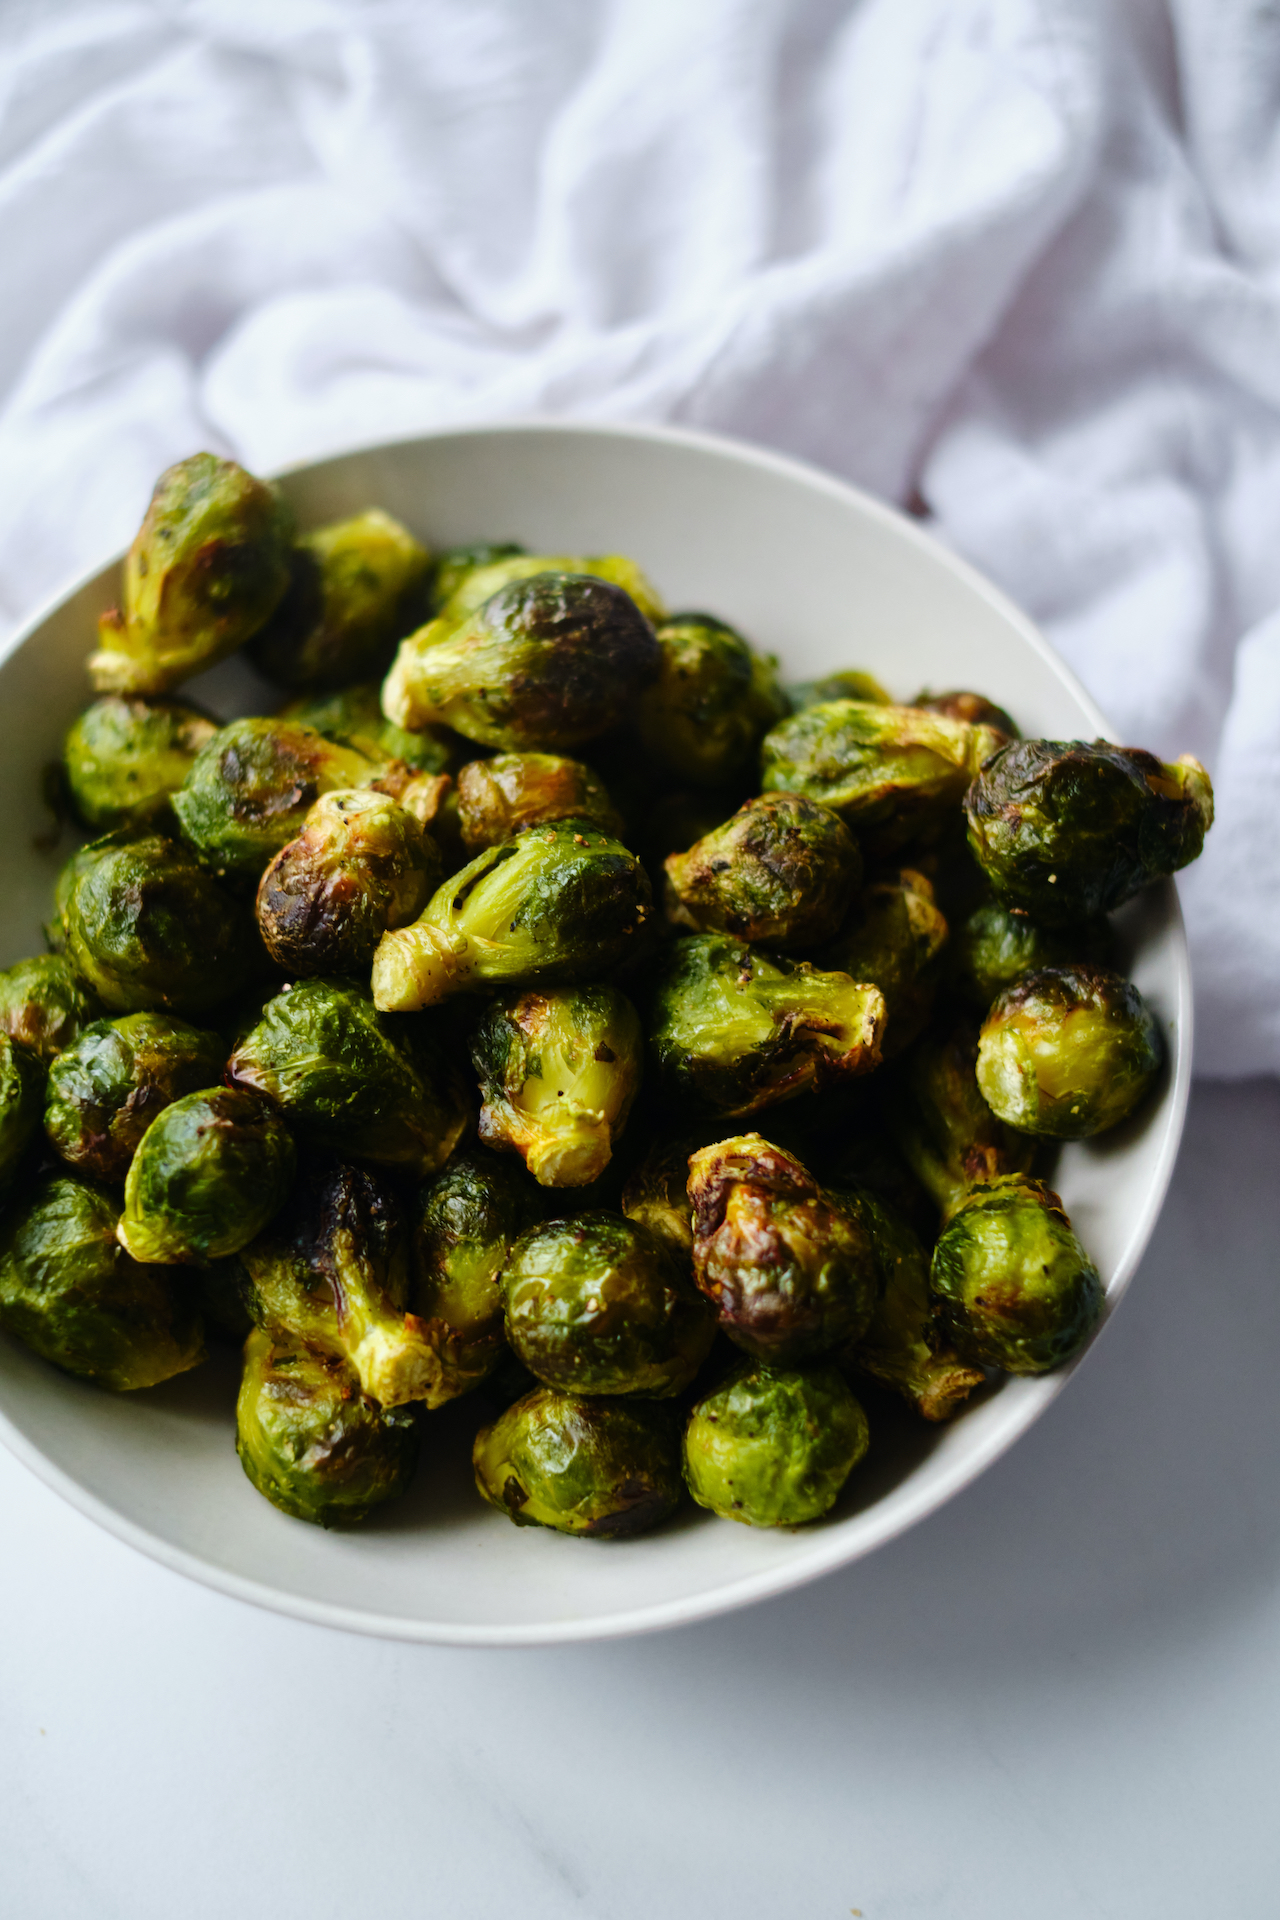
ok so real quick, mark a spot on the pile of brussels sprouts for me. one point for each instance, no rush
(419, 1035)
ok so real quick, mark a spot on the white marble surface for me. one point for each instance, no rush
(1057, 1699)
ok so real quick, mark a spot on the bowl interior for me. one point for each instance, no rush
(820, 575)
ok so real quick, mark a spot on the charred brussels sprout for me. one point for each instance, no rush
(71, 1292)
(994, 946)
(355, 588)
(354, 716)
(465, 1224)
(148, 928)
(892, 940)
(1066, 830)
(125, 759)
(891, 773)
(901, 1346)
(738, 1033)
(782, 871)
(789, 1267)
(452, 567)
(211, 1170)
(558, 1072)
(107, 1088)
(595, 1305)
(561, 901)
(704, 715)
(44, 1004)
(22, 1079)
(360, 865)
(545, 664)
(353, 1081)
(499, 798)
(476, 584)
(772, 1447)
(251, 788)
(308, 1439)
(973, 708)
(850, 684)
(208, 567)
(602, 1467)
(943, 1127)
(1068, 1052)
(1014, 1287)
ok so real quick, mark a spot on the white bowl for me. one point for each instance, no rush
(821, 575)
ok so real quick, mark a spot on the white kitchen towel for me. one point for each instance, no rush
(1018, 259)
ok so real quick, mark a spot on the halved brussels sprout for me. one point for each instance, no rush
(356, 587)
(849, 684)
(1068, 1051)
(543, 665)
(250, 789)
(789, 1267)
(465, 1224)
(892, 939)
(892, 773)
(994, 946)
(1066, 830)
(595, 1304)
(354, 1081)
(44, 1004)
(558, 1072)
(126, 758)
(586, 1466)
(944, 1128)
(149, 929)
(354, 715)
(22, 1078)
(209, 1173)
(477, 583)
(361, 864)
(109, 1085)
(71, 1293)
(209, 565)
(308, 1439)
(901, 1347)
(773, 1447)
(1013, 1285)
(712, 702)
(782, 872)
(499, 798)
(737, 1032)
(561, 901)
(973, 708)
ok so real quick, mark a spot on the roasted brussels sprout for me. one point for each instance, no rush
(773, 1447)
(360, 865)
(44, 1004)
(251, 788)
(782, 871)
(125, 759)
(737, 1032)
(789, 1267)
(451, 567)
(1014, 1287)
(973, 708)
(317, 1447)
(595, 1305)
(943, 1127)
(148, 928)
(209, 1173)
(354, 716)
(588, 1466)
(657, 1195)
(71, 1292)
(850, 684)
(209, 565)
(1069, 1051)
(464, 1226)
(1066, 830)
(477, 583)
(558, 1072)
(892, 939)
(22, 1078)
(705, 714)
(901, 1346)
(543, 665)
(561, 901)
(994, 946)
(891, 773)
(353, 1081)
(109, 1085)
(499, 798)
(355, 588)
